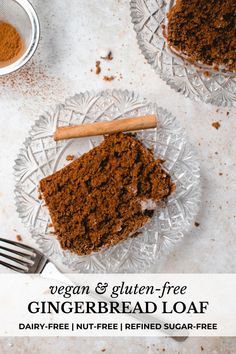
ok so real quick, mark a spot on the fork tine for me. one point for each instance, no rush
(22, 254)
(19, 261)
(17, 244)
(12, 267)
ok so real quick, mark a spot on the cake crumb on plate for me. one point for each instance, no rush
(18, 238)
(70, 157)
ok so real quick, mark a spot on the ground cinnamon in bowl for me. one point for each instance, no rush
(11, 44)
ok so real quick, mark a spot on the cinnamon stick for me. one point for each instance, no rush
(106, 127)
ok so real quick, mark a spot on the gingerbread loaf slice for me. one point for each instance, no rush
(204, 32)
(105, 195)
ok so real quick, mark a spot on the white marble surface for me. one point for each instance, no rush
(73, 35)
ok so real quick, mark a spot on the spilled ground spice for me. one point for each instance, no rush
(33, 80)
(11, 44)
(105, 195)
(204, 31)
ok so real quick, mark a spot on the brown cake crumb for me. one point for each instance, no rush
(206, 73)
(70, 157)
(18, 238)
(204, 31)
(109, 56)
(108, 78)
(98, 67)
(216, 125)
(105, 195)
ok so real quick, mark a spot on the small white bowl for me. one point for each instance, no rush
(23, 17)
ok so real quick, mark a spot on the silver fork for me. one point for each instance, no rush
(33, 261)
(28, 260)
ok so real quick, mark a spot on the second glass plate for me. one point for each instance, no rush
(148, 17)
